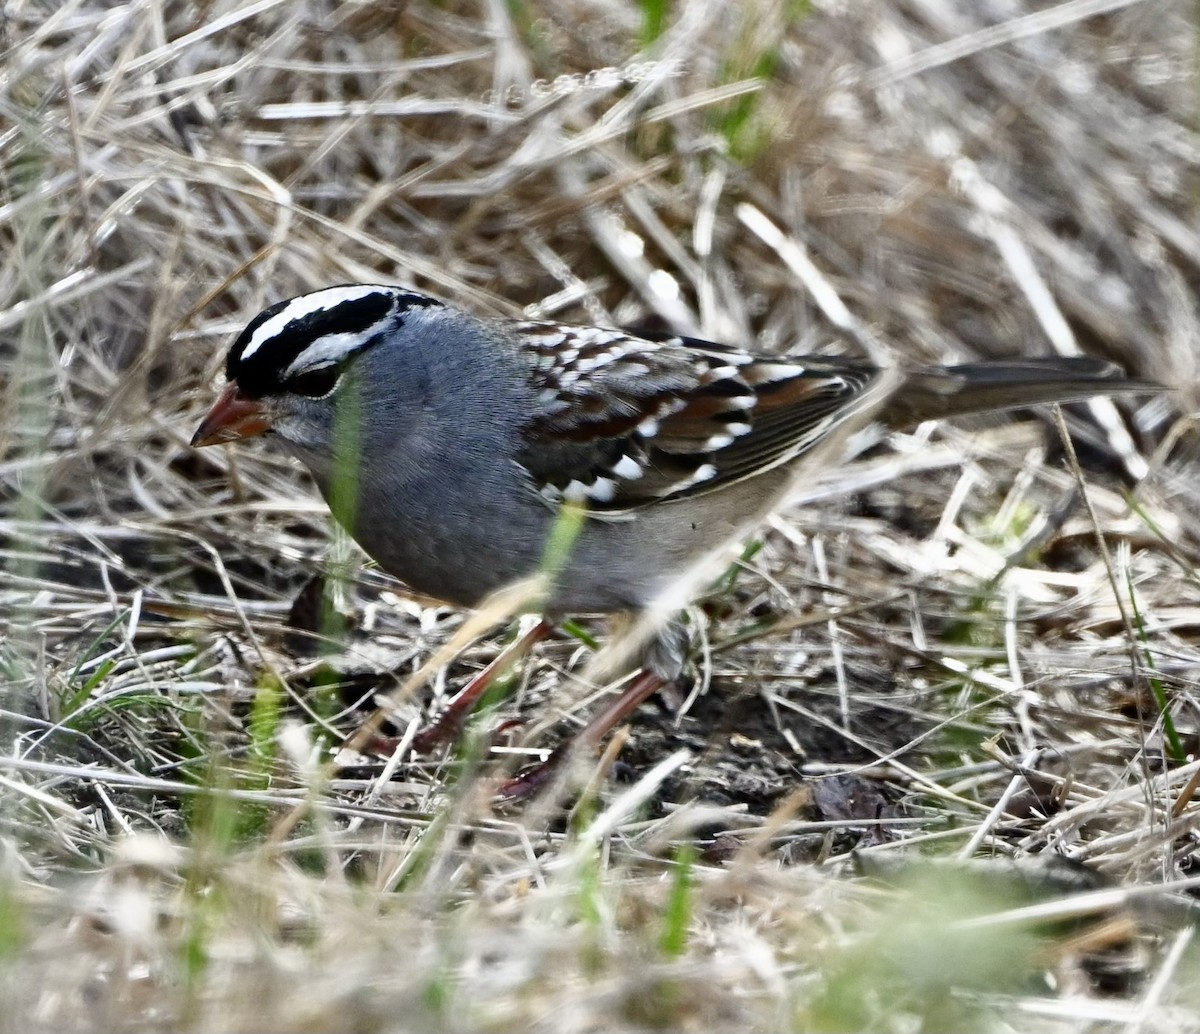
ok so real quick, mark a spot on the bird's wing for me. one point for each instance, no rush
(622, 420)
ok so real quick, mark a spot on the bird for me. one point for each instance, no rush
(450, 444)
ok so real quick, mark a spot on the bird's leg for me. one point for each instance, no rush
(450, 722)
(530, 780)
(662, 664)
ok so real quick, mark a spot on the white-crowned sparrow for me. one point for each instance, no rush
(446, 443)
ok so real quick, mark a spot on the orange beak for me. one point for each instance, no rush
(232, 417)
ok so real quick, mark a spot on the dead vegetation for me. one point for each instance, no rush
(931, 663)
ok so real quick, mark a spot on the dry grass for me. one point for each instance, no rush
(933, 662)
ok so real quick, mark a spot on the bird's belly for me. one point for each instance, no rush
(664, 555)
(462, 550)
(462, 566)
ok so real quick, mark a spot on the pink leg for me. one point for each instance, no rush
(530, 780)
(451, 721)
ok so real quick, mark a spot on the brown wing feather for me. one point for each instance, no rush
(626, 420)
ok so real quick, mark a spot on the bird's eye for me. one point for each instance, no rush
(314, 384)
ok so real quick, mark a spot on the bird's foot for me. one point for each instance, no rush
(448, 726)
(533, 779)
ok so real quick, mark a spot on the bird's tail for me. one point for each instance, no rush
(937, 392)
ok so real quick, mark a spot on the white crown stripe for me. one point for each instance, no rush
(306, 305)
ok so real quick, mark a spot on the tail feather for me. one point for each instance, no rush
(937, 392)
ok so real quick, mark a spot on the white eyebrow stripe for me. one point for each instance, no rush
(330, 349)
(306, 305)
